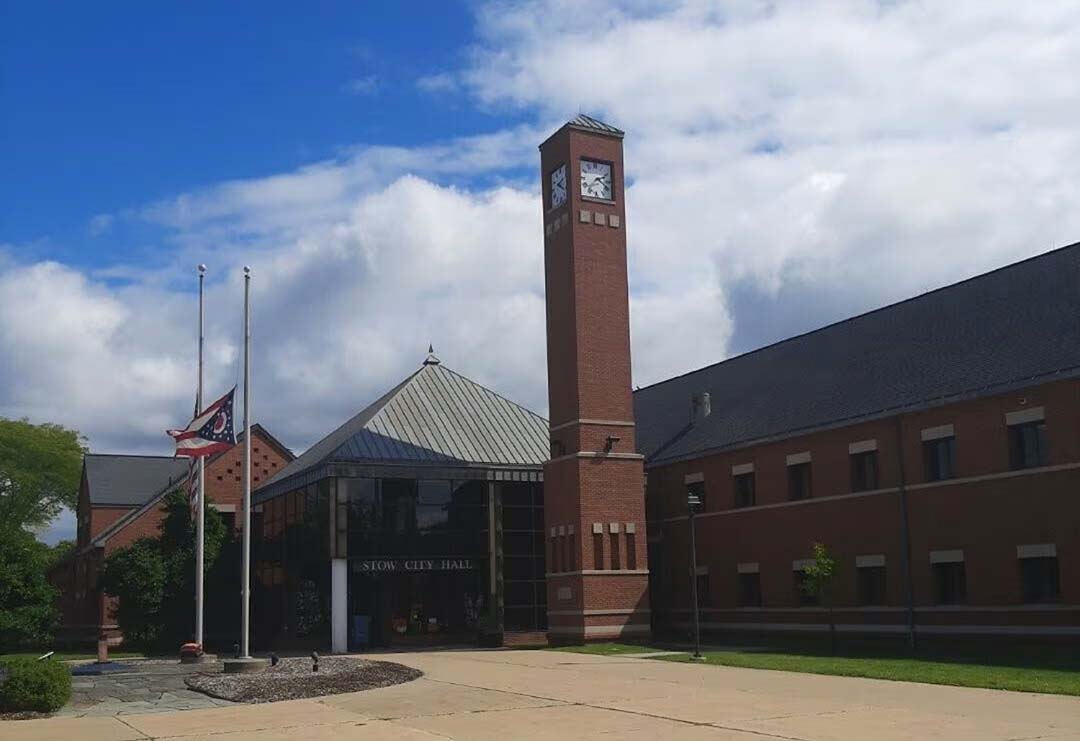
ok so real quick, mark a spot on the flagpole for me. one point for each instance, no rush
(246, 561)
(200, 534)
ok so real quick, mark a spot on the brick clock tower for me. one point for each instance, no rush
(594, 488)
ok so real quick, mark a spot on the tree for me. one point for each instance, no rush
(154, 578)
(40, 466)
(28, 615)
(61, 550)
(817, 583)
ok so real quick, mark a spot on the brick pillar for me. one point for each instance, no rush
(594, 490)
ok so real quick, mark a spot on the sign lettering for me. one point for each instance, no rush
(391, 565)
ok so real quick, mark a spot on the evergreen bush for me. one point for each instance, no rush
(43, 686)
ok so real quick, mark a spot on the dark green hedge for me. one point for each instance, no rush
(44, 686)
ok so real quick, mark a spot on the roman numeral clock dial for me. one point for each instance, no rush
(596, 180)
(558, 186)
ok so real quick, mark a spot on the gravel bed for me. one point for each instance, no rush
(292, 679)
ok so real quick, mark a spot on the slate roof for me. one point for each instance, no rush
(130, 480)
(1009, 328)
(433, 417)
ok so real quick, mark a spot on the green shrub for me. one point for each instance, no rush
(44, 686)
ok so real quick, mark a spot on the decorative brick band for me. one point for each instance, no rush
(592, 423)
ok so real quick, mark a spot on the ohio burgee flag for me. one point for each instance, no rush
(210, 432)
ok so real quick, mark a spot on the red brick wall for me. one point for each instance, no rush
(985, 517)
(595, 475)
(82, 607)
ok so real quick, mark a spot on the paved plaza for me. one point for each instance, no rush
(546, 694)
(149, 687)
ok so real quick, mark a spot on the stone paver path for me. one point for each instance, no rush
(152, 687)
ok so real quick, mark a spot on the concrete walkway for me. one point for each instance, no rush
(545, 694)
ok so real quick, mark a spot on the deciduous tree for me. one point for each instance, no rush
(40, 467)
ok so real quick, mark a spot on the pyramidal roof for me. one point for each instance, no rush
(588, 123)
(433, 417)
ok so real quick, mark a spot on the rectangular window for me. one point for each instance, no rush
(798, 481)
(871, 585)
(938, 457)
(1040, 579)
(698, 488)
(950, 583)
(750, 590)
(744, 490)
(1027, 445)
(864, 471)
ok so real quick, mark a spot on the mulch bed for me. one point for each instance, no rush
(292, 679)
(24, 715)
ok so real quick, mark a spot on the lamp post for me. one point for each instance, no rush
(693, 501)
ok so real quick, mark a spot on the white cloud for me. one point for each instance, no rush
(99, 224)
(789, 164)
(848, 153)
(365, 85)
(442, 82)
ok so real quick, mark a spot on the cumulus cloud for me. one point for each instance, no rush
(789, 164)
(839, 155)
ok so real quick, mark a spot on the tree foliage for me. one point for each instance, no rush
(154, 578)
(40, 466)
(818, 582)
(27, 612)
(820, 574)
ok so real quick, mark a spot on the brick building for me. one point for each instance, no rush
(933, 446)
(120, 501)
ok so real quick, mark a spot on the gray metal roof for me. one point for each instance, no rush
(433, 417)
(130, 480)
(588, 123)
(1009, 328)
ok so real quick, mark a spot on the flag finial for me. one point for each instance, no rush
(432, 358)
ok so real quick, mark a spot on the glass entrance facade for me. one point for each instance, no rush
(420, 554)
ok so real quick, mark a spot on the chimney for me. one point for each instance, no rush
(700, 406)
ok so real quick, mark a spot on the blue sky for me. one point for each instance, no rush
(109, 106)
(375, 164)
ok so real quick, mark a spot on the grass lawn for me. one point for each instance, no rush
(607, 649)
(1054, 670)
(71, 656)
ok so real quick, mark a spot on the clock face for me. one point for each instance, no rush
(558, 187)
(596, 180)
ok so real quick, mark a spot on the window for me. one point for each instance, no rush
(744, 489)
(798, 481)
(938, 456)
(801, 595)
(864, 471)
(432, 505)
(1040, 579)
(1027, 445)
(871, 585)
(750, 590)
(950, 583)
(698, 488)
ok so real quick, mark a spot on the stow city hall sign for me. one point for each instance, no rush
(391, 565)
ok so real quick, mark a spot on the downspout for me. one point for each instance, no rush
(905, 533)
